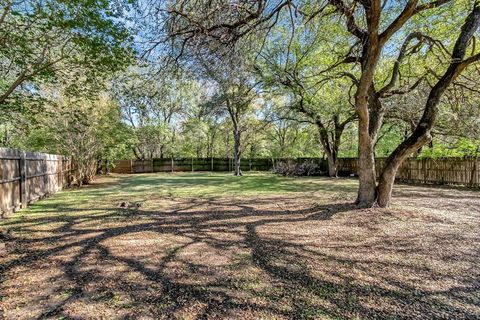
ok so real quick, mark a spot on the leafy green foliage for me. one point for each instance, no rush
(40, 40)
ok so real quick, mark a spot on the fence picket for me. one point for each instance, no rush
(28, 176)
(455, 171)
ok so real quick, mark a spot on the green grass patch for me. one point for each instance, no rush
(108, 191)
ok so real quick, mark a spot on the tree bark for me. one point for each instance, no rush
(332, 165)
(161, 155)
(366, 160)
(20, 79)
(366, 170)
(237, 152)
(367, 132)
(136, 153)
(328, 149)
(474, 168)
(331, 143)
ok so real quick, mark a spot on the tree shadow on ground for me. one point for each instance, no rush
(217, 258)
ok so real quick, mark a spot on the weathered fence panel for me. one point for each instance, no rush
(202, 164)
(455, 171)
(123, 166)
(189, 164)
(142, 166)
(28, 176)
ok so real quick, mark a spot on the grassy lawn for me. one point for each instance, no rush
(209, 246)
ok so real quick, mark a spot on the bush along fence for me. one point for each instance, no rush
(28, 176)
(451, 171)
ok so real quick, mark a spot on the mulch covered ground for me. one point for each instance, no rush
(290, 255)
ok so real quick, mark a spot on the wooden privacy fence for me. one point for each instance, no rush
(201, 164)
(182, 165)
(28, 176)
(455, 171)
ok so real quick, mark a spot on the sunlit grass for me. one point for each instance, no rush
(188, 185)
(106, 193)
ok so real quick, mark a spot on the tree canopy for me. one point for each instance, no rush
(105, 80)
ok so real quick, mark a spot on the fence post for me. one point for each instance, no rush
(424, 165)
(471, 184)
(64, 180)
(172, 165)
(60, 175)
(45, 177)
(65, 172)
(23, 179)
(211, 163)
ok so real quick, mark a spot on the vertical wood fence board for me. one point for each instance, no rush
(454, 171)
(28, 176)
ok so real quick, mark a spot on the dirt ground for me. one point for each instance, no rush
(270, 248)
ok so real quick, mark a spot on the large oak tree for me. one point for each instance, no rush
(373, 25)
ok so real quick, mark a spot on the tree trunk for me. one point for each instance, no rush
(419, 137)
(237, 152)
(366, 171)
(370, 121)
(332, 161)
(366, 128)
(330, 147)
(107, 167)
(209, 150)
(330, 153)
(366, 152)
(474, 168)
(393, 162)
(20, 79)
(136, 153)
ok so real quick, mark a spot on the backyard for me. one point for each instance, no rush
(212, 245)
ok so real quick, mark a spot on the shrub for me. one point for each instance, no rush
(292, 168)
